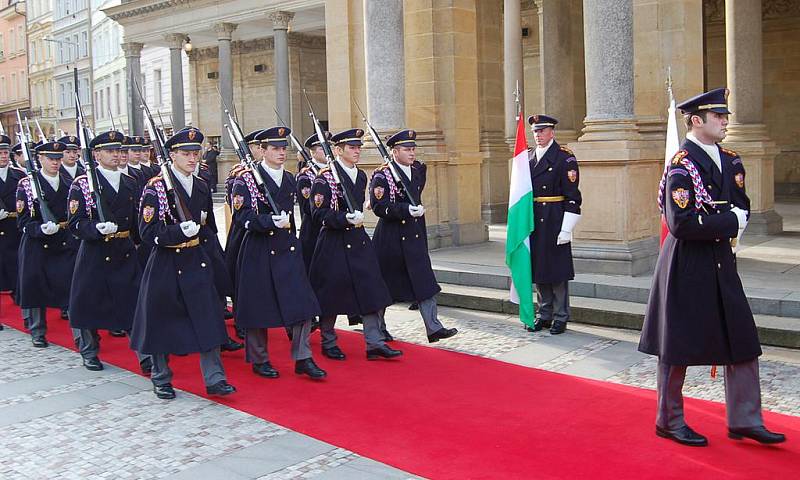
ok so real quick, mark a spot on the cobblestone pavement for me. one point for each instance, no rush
(59, 421)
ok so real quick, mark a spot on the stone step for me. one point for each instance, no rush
(763, 301)
(772, 330)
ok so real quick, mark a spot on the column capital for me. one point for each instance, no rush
(132, 49)
(175, 40)
(224, 30)
(280, 19)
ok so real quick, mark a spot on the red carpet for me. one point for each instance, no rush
(440, 414)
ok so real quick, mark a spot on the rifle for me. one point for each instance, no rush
(95, 187)
(326, 147)
(31, 167)
(176, 203)
(307, 160)
(376, 139)
(42, 136)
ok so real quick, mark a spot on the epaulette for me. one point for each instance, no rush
(567, 150)
(679, 156)
(383, 166)
(729, 152)
(154, 180)
(324, 170)
(14, 167)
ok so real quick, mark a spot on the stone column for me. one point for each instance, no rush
(224, 31)
(555, 66)
(133, 67)
(280, 27)
(383, 31)
(175, 41)
(747, 133)
(512, 65)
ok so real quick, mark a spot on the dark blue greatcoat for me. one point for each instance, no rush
(105, 282)
(45, 261)
(272, 288)
(235, 236)
(401, 240)
(210, 242)
(345, 272)
(9, 234)
(556, 174)
(698, 313)
(80, 171)
(178, 310)
(309, 229)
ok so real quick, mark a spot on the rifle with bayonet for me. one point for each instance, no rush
(32, 167)
(307, 160)
(174, 200)
(376, 139)
(326, 147)
(92, 176)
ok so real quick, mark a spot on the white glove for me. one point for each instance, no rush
(49, 228)
(567, 225)
(417, 211)
(190, 228)
(106, 228)
(3, 214)
(741, 216)
(356, 218)
(203, 217)
(281, 221)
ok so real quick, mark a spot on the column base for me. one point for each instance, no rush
(630, 258)
(469, 233)
(765, 223)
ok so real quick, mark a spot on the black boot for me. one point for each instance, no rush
(308, 367)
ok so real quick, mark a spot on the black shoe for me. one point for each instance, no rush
(40, 342)
(147, 366)
(164, 392)
(683, 435)
(387, 337)
(1, 327)
(354, 320)
(92, 364)
(265, 370)
(558, 327)
(308, 367)
(414, 306)
(759, 434)
(221, 389)
(441, 333)
(334, 353)
(384, 351)
(117, 333)
(227, 314)
(64, 314)
(239, 332)
(231, 346)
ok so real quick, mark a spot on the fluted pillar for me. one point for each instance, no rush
(133, 68)
(224, 32)
(383, 30)
(512, 65)
(280, 27)
(175, 41)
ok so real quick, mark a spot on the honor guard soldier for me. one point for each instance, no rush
(698, 313)
(47, 250)
(345, 272)
(9, 235)
(178, 310)
(309, 230)
(557, 209)
(149, 169)
(16, 156)
(105, 282)
(272, 287)
(132, 155)
(69, 163)
(400, 237)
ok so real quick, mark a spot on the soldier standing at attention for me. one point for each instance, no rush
(698, 313)
(400, 239)
(69, 163)
(272, 288)
(345, 272)
(9, 235)
(555, 179)
(178, 310)
(105, 282)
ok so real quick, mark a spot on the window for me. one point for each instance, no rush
(143, 86)
(3, 90)
(33, 53)
(117, 99)
(108, 99)
(23, 86)
(12, 93)
(62, 90)
(157, 98)
(102, 112)
(2, 45)
(12, 42)
(96, 105)
(84, 44)
(21, 38)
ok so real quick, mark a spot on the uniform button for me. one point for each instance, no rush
(271, 233)
(416, 236)
(205, 241)
(544, 187)
(127, 255)
(719, 265)
(108, 259)
(709, 187)
(106, 239)
(63, 244)
(402, 238)
(272, 252)
(403, 222)
(550, 169)
(2, 233)
(177, 250)
(348, 229)
(203, 264)
(45, 245)
(541, 219)
(717, 240)
(291, 249)
(179, 272)
(348, 246)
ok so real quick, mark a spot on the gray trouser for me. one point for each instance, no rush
(428, 310)
(87, 343)
(38, 322)
(373, 334)
(26, 317)
(742, 395)
(553, 301)
(210, 365)
(256, 343)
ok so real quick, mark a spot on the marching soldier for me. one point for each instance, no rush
(272, 288)
(309, 230)
(400, 237)
(698, 313)
(149, 169)
(9, 235)
(178, 310)
(132, 149)
(16, 156)
(47, 250)
(105, 283)
(345, 248)
(555, 179)
(69, 163)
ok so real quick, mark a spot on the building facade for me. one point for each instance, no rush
(109, 84)
(13, 64)
(72, 42)
(41, 63)
(450, 69)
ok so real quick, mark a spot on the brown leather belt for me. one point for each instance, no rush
(559, 198)
(122, 234)
(12, 215)
(191, 243)
(63, 224)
